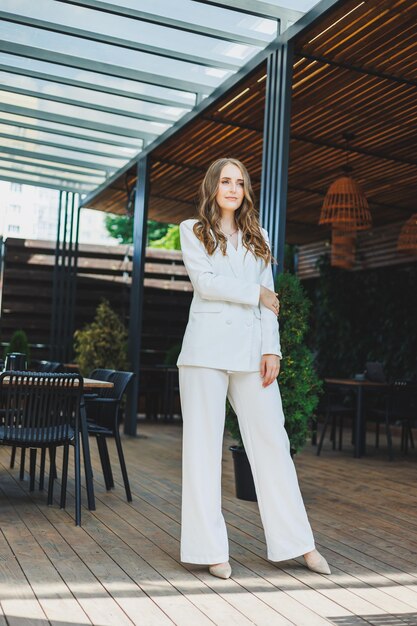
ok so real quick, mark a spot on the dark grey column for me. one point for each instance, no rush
(64, 278)
(276, 144)
(136, 292)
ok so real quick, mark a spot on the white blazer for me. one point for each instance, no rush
(227, 327)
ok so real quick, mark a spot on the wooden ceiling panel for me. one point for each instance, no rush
(355, 70)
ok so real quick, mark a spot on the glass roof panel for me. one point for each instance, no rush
(86, 84)
(80, 113)
(109, 59)
(39, 136)
(107, 163)
(21, 121)
(94, 100)
(44, 171)
(51, 164)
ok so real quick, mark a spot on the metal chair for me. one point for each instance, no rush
(400, 407)
(42, 410)
(335, 413)
(103, 421)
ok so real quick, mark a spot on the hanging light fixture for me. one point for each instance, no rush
(407, 240)
(345, 206)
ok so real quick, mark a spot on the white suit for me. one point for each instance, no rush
(226, 335)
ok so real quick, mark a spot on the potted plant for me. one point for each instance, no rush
(18, 343)
(299, 384)
(103, 343)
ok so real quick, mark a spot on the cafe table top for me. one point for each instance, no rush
(354, 382)
(88, 383)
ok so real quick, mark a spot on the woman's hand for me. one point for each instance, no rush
(270, 366)
(269, 299)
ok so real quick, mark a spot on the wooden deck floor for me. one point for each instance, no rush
(122, 567)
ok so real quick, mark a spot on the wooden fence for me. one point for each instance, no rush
(103, 272)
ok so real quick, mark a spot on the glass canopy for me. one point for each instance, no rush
(86, 84)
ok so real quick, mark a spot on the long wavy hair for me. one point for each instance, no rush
(207, 228)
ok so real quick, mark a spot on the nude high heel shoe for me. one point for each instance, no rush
(221, 570)
(316, 562)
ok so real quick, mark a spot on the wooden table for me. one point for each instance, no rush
(358, 386)
(89, 384)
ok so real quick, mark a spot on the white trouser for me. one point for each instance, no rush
(261, 420)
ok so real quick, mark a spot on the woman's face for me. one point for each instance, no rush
(230, 192)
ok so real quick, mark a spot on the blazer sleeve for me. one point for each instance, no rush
(206, 282)
(269, 322)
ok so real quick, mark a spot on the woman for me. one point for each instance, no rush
(231, 348)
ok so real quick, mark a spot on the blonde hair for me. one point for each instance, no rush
(246, 216)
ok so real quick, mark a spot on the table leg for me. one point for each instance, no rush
(359, 425)
(87, 458)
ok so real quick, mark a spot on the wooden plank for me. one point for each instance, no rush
(370, 543)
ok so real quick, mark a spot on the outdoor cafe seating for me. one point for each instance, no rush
(369, 398)
(46, 410)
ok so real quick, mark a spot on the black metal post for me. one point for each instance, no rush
(136, 289)
(275, 157)
(64, 277)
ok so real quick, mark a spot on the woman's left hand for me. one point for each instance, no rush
(270, 366)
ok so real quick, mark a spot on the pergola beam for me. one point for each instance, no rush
(58, 145)
(58, 58)
(360, 70)
(49, 157)
(168, 22)
(74, 121)
(304, 22)
(256, 8)
(56, 131)
(107, 89)
(23, 180)
(64, 167)
(118, 42)
(42, 95)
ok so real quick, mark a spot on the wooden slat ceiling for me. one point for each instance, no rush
(355, 71)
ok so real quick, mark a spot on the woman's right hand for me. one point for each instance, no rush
(269, 299)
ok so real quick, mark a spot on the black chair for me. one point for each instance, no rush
(42, 410)
(400, 408)
(337, 406)
(103, 420)
(45, 367)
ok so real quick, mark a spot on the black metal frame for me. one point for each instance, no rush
(276, 146)
(136, 289)
(64, 278)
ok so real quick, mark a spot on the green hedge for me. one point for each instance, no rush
(364, 316)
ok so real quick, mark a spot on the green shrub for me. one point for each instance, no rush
(103, 343)
(170, 241)
(18, 343)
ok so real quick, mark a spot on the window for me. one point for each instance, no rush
(14, 228)
(16, 187)
(15, 208)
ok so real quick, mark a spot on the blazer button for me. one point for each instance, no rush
(228, 321)
(248, 323)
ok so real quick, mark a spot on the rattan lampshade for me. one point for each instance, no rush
(407, 240)
(345, 206)
(343, 249)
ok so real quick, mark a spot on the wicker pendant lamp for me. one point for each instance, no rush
(345, 206)
(407, 240)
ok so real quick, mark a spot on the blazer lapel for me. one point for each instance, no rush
(234, 256)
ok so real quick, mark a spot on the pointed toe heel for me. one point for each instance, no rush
(317, 563)
(222, 570)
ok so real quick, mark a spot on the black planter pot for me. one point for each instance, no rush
(245, 487)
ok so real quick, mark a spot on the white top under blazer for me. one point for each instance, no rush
(227, 327)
